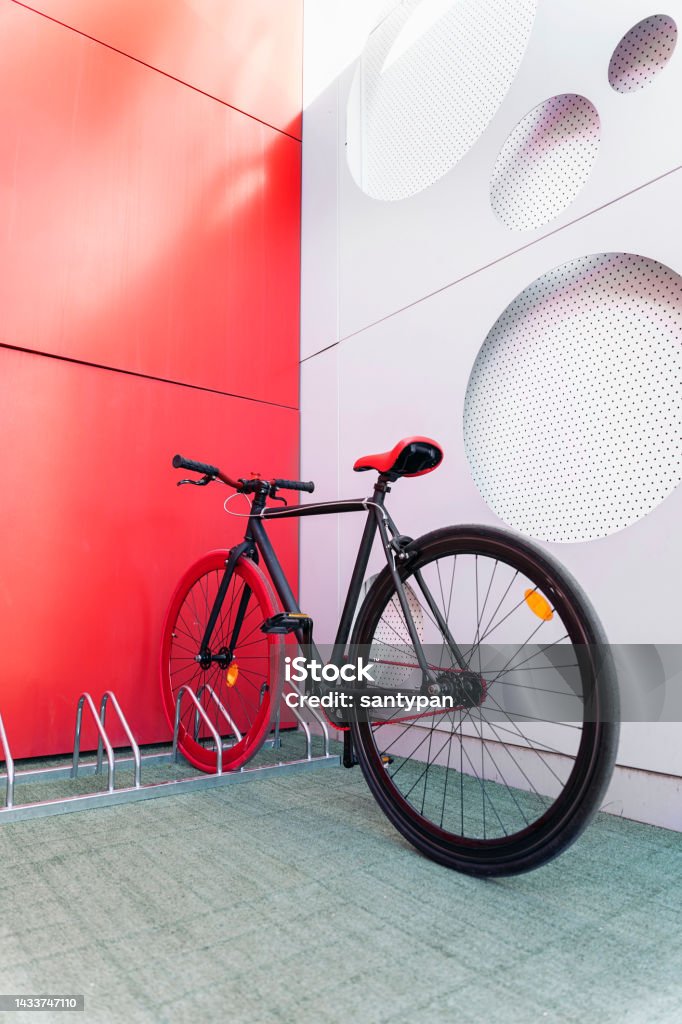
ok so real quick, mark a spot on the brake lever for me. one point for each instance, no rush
(196, 483)
(278, 497)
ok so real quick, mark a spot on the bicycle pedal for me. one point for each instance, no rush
(385, 759)
(287, 622)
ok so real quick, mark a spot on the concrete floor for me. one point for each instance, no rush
(294, 900)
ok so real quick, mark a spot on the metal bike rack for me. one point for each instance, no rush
(207, 688)
(140, 791)
(199, 712)
(85, 700)
(110, 697)
(9, 765)
(304, 725)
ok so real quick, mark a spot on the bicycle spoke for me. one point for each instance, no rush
(490, 771)
(240, 692)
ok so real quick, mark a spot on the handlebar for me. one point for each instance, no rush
(246, 486)
(295, 485)
(179, 462)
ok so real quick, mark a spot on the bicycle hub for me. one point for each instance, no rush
(223, 658)
(468, 689)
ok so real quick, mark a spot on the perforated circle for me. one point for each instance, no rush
(427, 86)
(642, 53)
(573, 411)
(545, 162)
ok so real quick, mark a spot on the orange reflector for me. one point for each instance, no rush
(539, 605)
(232, 674)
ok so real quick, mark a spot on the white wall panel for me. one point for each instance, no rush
(319, 538)
(424, 393)
(319, 261)
(409, 374)
(393, 253)
(334, 34)
(408, 290)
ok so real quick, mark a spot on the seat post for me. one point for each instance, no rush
(383, 486)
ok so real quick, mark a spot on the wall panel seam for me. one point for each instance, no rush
(151, 67)
(144, 376)
(492, 263)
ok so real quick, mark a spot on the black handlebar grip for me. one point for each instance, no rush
(180, 462)
(296, 485)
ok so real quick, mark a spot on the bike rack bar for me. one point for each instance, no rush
(9, 766)
(302, 722)
(109, 697)
(276, 738)
(221, 708)
(319, 718)
(86, 699)
(207, 721)
(325, 730)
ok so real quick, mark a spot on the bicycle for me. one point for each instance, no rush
(478, 780)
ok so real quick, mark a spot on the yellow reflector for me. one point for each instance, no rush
(232, 673)
(539, 605)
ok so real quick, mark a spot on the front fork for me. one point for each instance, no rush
(246, 547)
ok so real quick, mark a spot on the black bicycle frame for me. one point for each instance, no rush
(256, 532)
(378, 521)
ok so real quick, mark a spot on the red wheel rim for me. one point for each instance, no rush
(183, 624)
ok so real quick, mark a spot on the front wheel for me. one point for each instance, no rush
(240, 666)
(510, 774)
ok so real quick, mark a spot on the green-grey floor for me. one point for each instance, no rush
(293, 900)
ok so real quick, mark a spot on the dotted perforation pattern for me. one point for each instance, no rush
(420, 113)
(545, 162)
(573, 410)
(642, 53)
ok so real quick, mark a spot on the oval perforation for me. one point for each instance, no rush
(573, 411)
(412, 118)
(642, 53)
(545, 162)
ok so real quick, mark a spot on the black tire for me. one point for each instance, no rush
(443, 812)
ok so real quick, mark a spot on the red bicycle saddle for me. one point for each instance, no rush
(413, 456)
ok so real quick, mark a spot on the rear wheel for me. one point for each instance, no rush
(513, 773)
(238, 666)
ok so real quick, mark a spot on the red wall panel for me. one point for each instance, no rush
(144, 225)
(149, 273)
(96, 533)
(247, 53)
